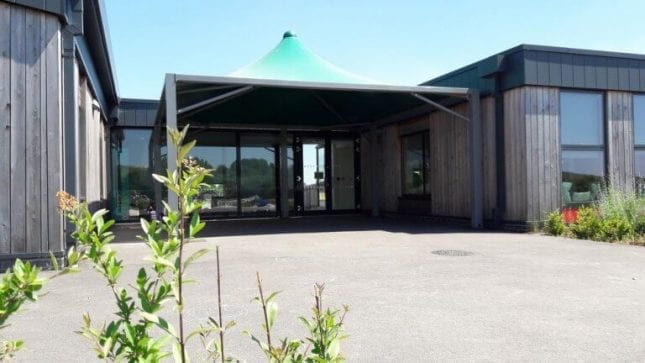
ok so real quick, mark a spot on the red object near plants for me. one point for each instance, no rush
(570, 215)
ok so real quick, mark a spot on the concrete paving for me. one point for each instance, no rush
(516, 297)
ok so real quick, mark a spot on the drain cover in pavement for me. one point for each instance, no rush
(452, 253)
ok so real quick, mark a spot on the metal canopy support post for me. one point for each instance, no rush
(171, 123)
(476, 192)
(156, 165)
(374, 172)
(284, 175)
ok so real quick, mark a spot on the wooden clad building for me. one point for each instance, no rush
(501, 142)
(56, 96)
(567, 121)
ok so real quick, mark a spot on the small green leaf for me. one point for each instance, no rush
(53, 261)
(272, 313)
(195, 256)
(185, 149)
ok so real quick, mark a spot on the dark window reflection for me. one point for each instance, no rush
(132, 191)
(582, 175)
(640, 172)
(416, 163)
(258, 173)
(582, 140)
(217, 151)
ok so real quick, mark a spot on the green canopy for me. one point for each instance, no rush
(291, 60)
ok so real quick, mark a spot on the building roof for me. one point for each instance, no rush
(291, 60)
(537, 65)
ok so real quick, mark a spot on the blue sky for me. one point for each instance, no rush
(399, 42)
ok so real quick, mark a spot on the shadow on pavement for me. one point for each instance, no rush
(309, 224)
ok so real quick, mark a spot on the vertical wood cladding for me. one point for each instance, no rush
(449, 164)
(620, 140)
(30, 131)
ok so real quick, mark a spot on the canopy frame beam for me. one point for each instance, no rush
(202, 105)
(440, 106)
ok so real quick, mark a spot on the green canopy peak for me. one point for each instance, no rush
(291, 60)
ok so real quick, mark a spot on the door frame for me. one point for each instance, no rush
(298, 177)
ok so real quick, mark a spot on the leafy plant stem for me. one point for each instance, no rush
(267, 328)
(219, 305)
(180, 298)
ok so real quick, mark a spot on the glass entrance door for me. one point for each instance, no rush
(326, 177)
(314, 175)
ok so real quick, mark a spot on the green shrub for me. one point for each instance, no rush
(555, 223)
(615, 229)
(588, 224)
(139, 333)
(17, 286)
(639, 225)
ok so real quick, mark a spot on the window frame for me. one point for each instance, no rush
(590, 147)
(425, 138)
(637, 147)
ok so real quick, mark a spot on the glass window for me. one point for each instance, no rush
(582, 175)
(639, 120)
(416, 165)
(639, 143)
(581, 115)
(640, 171)
(582, 142)
(217, 151)
(258, 173)
(131, 174)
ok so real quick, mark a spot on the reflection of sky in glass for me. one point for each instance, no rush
(581, 118)
(134, 148)
(309, 162)
(583, 162)
(640, 163)
(639, 119)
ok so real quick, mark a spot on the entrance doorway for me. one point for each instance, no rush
(327, 174)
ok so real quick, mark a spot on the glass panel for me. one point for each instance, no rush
(290, 182)
(640, 172)
(217, 151)
(133, 189)
(582, 175)
(581, 118)
(342, 173)
(258, 173)
(313, 160)
(639, 120)
(413, 177)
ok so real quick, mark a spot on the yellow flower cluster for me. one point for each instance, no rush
(66, 201)
(192, 164)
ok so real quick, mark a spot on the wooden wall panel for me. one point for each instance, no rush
(489, 158)
(620, 140)
(449, 164)
(18, 131)
(541, 105)
(5, 128)
(30, 122)
(515, 146)
(33, 117)
(54, 124)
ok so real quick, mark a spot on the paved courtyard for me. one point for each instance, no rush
(515, 297)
